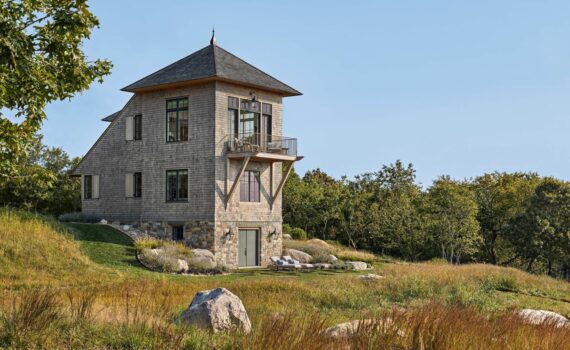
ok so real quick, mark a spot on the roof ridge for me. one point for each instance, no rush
(254, 67)
(166, 67)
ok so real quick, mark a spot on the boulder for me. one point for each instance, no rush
(357, 265)
(182, 265)
(300, 256)
(542, 316)
(217, 310)
(202, 258)
(323, 266)
(332, 258)
(319, 243)
(287, 236)
(370, 277)
(103, 221)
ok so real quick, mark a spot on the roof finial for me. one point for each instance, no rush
(213, 40)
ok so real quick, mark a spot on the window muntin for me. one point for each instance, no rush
(177, 120)
(177, 185)
(137, 125)
(137, 183)
(249, 121)
(249, 186)
(88, 187)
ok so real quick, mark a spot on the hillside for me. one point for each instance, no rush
(94, 278)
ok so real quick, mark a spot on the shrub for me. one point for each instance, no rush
(287, 229)
(298, 233)
(79, 217)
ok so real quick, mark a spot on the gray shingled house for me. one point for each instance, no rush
(197, 155)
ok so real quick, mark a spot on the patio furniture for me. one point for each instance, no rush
(285, 264)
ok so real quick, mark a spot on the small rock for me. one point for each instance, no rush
(542, 316)
(332, 258)
(357, 265)
(217, 310)
(103, 221)
(287, 236)
(157, 251)
(126, 227)
(370, 277)
(182, 266)
(300, 256)
(323, 266)
(202, 258)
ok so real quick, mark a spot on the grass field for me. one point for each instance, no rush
(80, 286)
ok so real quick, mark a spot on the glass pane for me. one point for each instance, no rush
(183, 103)
(244, 188)
(171, 132)
(255, 186)
(171, 104)
(138, 185)
(183, 125)
(87, 184)
(183, 184)
(171, 189)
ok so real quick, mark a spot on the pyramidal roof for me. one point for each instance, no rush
(211, 63)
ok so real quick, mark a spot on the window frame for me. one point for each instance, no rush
(137, 127)
(177, 110)
(137, 188)
(178, 182)
(246, 180)
(87, 179)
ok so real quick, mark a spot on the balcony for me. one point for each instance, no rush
(262, 147)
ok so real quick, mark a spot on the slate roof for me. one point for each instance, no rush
(111, 117)
(212, 62)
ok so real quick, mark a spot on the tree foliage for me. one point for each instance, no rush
(41, 61)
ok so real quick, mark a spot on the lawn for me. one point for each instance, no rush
(106, 299)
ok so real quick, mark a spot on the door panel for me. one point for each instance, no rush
(248, 247)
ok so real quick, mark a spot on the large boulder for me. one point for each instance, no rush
(300, 256)
(217, 310)
(349, 329)
(332, 258)
(357, 265)
(542, 316)
(319, 243)
(287, 236)
(202, 258)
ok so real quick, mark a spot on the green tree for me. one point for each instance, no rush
(451, 214)
(501, 197)
(41, 61)
(543, 230)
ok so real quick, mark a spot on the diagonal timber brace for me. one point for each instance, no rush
(283, 180)
(236, 181)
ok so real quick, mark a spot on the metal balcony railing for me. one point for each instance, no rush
(257, 142)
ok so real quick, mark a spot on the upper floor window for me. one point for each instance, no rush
(233, 109)
(177, 185)
(177, 120)
(138, 127)
(249, 187)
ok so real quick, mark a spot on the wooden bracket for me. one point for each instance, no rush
(283, 180)
(237, 179)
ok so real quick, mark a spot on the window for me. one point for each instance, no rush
(249, 122)
(137, 181)
(267, 121)
(177, 232)
(177, 185)
(177, 120)
(233, 116)
(87, 187)
(249, 187)
(90, 186)
(138, 127)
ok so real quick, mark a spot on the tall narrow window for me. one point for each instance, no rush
(267, 121)
(138, 127)
(137, 183)
(249, 122)
(233, 108)
(87, 187)
(177, 120)
(249, 187)
(177, 185)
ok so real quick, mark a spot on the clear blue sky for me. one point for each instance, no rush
(454, 87)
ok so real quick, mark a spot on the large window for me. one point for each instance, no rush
(87, 187)
(138, 127)
(250, 122)
(177, 120)
(137, 184)
(249, 187)
(177, 185)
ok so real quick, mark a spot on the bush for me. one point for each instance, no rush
(287, 229)
(298, 233)
(79, 217)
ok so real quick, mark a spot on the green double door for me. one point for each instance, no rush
(248, 247)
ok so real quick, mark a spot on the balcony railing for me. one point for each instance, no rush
(256, 142)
